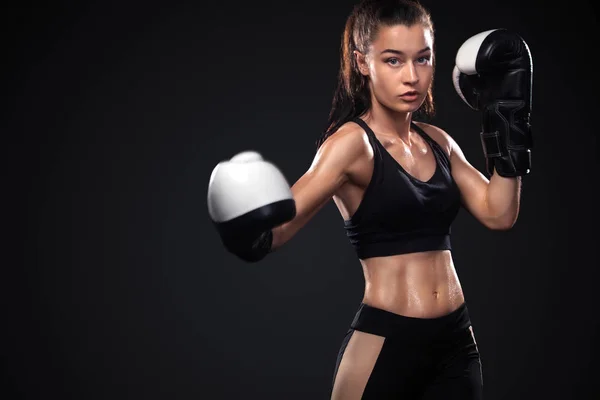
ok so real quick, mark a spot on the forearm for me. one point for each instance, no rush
(283, 233)
(279, 237)
(503, 199)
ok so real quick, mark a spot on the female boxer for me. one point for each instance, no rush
(398, 184)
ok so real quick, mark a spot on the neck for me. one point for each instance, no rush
(389, 122)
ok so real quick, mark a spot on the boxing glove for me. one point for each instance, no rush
(494, 75)
(247, 198)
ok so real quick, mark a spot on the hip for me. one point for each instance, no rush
(435, 339)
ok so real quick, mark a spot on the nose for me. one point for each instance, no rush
(410, 75)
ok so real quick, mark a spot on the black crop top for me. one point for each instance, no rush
(400, 214)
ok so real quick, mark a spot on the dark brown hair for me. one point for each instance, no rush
(352, 98)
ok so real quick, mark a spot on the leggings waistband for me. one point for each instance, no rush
(385, 323)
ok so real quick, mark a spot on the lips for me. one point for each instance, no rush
(409, 94)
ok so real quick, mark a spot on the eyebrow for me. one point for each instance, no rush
(401, 53)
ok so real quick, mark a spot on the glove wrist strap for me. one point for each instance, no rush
(506, 138)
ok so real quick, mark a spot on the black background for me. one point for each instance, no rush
(115, 284)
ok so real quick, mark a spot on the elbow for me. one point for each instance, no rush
(502, 227)
(501, 224)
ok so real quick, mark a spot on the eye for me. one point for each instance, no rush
(424, 59)
(392, 61)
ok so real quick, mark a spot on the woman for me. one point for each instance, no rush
(398, 185)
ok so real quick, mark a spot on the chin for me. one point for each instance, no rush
(406, 108)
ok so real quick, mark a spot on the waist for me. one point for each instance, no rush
(422, 285)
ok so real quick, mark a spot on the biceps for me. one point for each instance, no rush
(311, 192)
(473, 187)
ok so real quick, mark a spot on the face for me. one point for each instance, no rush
(398, 64)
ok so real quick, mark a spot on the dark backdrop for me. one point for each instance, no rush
(115, 284)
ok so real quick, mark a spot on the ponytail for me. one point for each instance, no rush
(351, 97)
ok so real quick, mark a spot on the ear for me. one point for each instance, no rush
(361, 61)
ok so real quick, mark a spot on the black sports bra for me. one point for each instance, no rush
(401, 214)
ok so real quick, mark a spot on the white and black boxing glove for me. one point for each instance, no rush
(494, 74)
(247, 198)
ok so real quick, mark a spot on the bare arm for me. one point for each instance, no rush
(495, 202)
(328, 171)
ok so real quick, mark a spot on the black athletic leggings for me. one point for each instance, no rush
(390, 356)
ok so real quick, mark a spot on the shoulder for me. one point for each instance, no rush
(342, 150)
(349, 141)
(442, 138)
